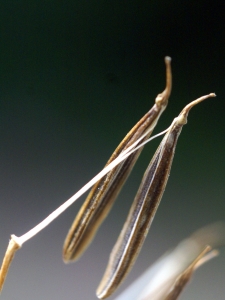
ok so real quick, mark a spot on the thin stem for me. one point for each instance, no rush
(77, 195)
(15, 242)
(22, 239)
(13, 246)
(195, 102)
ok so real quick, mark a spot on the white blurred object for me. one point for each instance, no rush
(168, 276)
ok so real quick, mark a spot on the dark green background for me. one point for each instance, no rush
(75, 76)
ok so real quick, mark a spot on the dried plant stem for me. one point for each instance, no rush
(144, 207)
(13, 246)
(15, 242)
(104, 193)
(86, 187)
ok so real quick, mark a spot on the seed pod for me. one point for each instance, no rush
(144, 207)
(102, 196)
(168, 276)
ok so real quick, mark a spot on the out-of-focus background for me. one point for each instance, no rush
(75, 76)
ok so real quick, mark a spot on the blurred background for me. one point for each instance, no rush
(75, 76)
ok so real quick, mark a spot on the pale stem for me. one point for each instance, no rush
(13, 246)
(16, 242)
(78, 194)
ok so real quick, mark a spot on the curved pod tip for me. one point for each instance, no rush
(182, 118)
(162, 98)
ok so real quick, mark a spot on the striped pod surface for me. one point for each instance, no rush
(169, 275)
(102, 196)
(144, 207)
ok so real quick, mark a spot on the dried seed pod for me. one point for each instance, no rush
(144, 207)
(183, 278)
(167, 277)
(102, 196)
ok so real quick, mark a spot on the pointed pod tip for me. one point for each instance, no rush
(182, 118)
(195, 102)
(212, 95)
(168, 59)
(67, 258)
(162, 98)
(105, 288)
(66, 261)
(100, 295)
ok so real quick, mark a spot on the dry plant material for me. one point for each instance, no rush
(174, 286)
(17, 242)
(144, 207)
(166, 279)
(106, 189)
(186, 275)
(104, 193)
(13, 246)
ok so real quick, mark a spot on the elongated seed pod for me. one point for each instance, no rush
(167, 276)
(143, 208)
(103, 194)
(175, 270)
